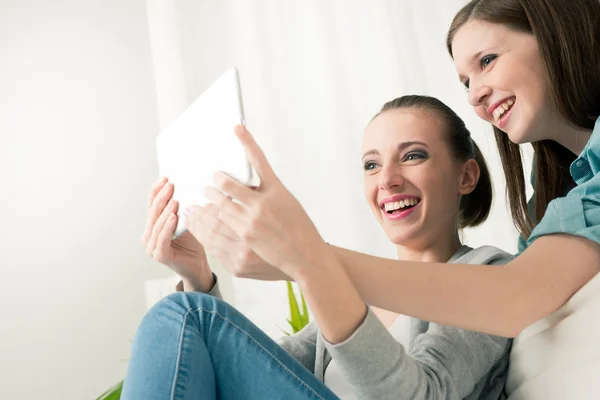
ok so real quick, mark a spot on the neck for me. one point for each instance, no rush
(573, 138)
(435, 251)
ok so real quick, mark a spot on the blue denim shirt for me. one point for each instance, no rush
(577, 213)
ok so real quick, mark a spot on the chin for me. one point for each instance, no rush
(401, 237)
(517, 137)
(517, 134)
(521, 129)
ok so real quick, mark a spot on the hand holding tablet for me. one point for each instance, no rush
(201, 141)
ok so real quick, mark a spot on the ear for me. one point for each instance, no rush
(469, 176)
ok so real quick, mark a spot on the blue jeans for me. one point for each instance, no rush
(195, 346)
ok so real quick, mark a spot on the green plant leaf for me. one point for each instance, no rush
(114, 393)
(297, 319)
(294, 320)
(284, 332)
(304, 311)
(294, 325)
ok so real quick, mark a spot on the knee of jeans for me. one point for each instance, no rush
(186, 301)
(177, 306)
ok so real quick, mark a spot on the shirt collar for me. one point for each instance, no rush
(588, 163)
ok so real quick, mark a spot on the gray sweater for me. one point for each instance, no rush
(442, 362)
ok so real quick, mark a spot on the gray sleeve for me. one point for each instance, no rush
(444, 363)
(215, 291)
(303, 345)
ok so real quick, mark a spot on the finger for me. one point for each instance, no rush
(205, 221)
(163, 242)
(255, 155)
(224, 204)
(158, 205)
(159, 225)
(233, 246)
(219, 227)
(234, 220)
(230, 253)
(211, 231)
(156, 186)
(232, 188)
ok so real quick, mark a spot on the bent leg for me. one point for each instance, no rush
(195, 346)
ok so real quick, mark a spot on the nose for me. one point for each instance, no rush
(478, 93)
(391, 177)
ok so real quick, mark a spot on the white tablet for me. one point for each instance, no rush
(201, 141)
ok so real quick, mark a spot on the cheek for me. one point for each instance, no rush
(443, 192)
(536, 93)
(370, 189)
(482, 113)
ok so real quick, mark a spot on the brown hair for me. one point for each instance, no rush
(475, 206)
(568, 35)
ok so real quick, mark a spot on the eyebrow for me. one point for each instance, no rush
(401, 146)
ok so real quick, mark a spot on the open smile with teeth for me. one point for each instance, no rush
(502, 109)
(397, 206)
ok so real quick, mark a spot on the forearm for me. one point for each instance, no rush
(335, 303)
(462, 295)
(497, 300)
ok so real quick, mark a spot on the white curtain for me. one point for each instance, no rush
(313, 73)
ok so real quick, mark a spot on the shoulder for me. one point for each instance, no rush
(485, 255)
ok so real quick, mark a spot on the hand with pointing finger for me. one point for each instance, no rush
(268, 219)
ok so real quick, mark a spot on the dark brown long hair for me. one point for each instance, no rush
(568, 36)
(474, 207)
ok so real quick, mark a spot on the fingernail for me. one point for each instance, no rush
(218, 176)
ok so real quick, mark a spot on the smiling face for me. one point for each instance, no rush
(411, 180)
(506, 80)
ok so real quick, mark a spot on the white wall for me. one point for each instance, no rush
(77, 126)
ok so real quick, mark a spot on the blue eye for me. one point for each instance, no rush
(369, 165)
(484, 62)
(487, 60)
(414, 156)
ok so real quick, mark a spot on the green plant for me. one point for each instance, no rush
(297, 320)
(114, 393)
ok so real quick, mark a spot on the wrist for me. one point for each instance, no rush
(204, 282)
(328, 267)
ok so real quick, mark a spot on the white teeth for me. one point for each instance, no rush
(396, 205)
(502, 108)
